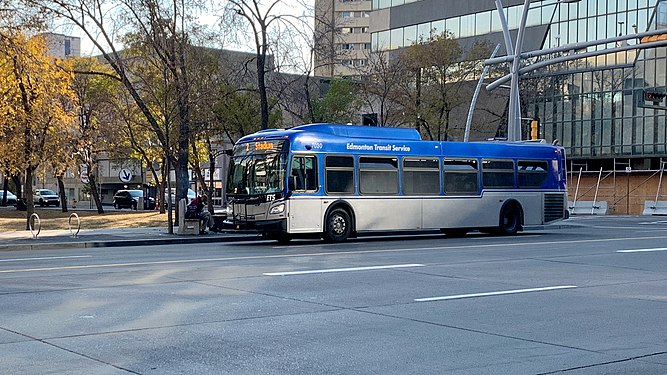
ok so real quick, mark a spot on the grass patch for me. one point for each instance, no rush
(11, 219)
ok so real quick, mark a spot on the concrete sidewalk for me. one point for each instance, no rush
(87, 238)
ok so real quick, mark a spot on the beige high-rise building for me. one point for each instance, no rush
(343, 39)
(62, 46)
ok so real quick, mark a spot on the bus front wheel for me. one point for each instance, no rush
(510, 220)
(338, 226)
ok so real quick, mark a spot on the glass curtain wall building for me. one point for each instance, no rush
(591, 106)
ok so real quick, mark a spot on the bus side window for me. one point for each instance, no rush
(497, 174)
(532, 173)
(378, 175)
(421, 176)
(460, 176)
(339, 174)
(303, 174)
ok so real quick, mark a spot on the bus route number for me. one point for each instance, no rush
(317, 145)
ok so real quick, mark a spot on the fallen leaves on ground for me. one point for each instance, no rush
(12, 219)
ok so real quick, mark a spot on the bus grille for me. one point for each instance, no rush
(553, 207)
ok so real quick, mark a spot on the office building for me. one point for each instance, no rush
(342, 33)
(62, 46)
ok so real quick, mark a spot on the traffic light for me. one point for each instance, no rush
(534, 128)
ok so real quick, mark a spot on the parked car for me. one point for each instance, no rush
(130, 199)
(46, 197)
(191, 195)
(11, 198)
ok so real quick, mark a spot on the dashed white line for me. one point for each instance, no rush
(341, 270)
(503, 292)
(46, 258)
(642, 250)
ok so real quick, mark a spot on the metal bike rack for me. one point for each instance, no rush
(34, 217)
(78, 225)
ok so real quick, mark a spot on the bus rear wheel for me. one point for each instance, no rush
(338, 226)
(510, 220)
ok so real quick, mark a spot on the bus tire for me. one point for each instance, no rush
(337, 226)
(510, 220)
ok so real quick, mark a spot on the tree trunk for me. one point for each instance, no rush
(211, 188)
(18, 185)
(261, 86)
(61, 193)
(92, 185)
(5, 187)
(30, 202)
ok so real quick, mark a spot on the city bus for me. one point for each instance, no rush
(336, 181)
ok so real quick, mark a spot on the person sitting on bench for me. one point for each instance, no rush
(202, 213)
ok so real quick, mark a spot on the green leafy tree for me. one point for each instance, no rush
(340, 104)
(441, 70)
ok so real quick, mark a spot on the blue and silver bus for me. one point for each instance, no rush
(336, 181)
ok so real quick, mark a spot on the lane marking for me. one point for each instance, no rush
(517, 291)
(341, 270)
(329, 253)
(642, 250)
(46, 258)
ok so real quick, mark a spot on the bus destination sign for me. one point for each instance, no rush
(258, 147)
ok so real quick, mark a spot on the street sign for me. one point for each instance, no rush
(84, 173)
(125, 175)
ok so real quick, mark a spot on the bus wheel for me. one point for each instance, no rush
(338, 226)
(510, 220)
(455, 233)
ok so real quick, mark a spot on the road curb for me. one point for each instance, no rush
(120, 243)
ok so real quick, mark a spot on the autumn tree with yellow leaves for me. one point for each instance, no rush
(35, 103)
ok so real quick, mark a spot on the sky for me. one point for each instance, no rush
(208, 19)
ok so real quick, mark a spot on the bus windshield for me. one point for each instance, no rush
(257, 168)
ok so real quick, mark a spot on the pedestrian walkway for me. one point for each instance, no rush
(114, 237)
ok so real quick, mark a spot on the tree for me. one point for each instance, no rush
(386, 85)
(98, 130)
(164, 28)
(34, 94)
(269, 30)
(442, 69)
(340, 103)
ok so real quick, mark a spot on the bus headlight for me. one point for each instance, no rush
(279, 209)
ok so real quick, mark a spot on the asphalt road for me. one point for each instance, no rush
(589, 298)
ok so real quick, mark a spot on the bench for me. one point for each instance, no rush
(187, 226)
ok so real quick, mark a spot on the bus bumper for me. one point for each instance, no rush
(264, 226)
